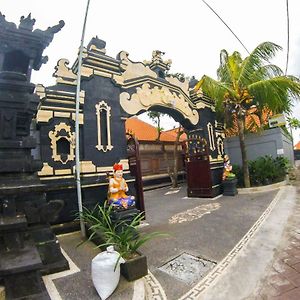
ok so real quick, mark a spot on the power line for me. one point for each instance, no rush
(226, 25)
(288, 36)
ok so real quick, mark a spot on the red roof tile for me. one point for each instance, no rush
(297, 146)
(146, 132)
(173, 133)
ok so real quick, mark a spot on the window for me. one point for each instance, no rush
(211, 137)
(103, 127)
(63, 146)
(62, 143)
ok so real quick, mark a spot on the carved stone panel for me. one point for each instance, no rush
(62, 143)
(145, 97)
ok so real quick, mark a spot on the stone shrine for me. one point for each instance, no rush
(27, 245)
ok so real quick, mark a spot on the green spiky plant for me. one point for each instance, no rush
(122, 235)
(252, 81)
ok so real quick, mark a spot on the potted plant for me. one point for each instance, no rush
(122, 235)
(229, 185)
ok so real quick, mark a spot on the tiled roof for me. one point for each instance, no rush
(297, 146)
(173, 133)
(146, 132)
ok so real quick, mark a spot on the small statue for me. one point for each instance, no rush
(157, 54)
(227, 168)
(117, 189)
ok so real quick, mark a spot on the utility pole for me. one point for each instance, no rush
(77, 145)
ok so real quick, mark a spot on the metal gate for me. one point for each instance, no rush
(135, 170)
(198, 173)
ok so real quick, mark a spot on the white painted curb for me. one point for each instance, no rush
(261, 189)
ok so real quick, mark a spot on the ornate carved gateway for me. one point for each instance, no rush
(113, 90)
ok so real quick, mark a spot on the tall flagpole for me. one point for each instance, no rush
(77, 145)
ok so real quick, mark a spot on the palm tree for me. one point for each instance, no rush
(250, 82)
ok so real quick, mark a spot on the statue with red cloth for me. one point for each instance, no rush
(117, 189)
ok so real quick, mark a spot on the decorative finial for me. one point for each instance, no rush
(26, 23)
(56, 28)
(6, 24)
(2, 17)
(157, 55)
(97, 45)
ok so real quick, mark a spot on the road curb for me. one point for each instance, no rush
(262, 189)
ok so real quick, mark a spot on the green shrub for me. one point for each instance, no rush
(264, 170)
(282, 165)
(237, 170)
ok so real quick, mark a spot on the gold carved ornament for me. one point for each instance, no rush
(145, 97)
(62, 131)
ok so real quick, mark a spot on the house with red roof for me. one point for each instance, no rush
(156, 155)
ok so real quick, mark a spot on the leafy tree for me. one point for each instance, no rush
(156, 117)
(244, 83)
(293, 123)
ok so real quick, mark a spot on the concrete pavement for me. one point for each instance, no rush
(222, 224)
(251, 241)
(282, 277)
(240, 277)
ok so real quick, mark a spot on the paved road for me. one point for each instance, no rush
(206, 228)
(223, 223)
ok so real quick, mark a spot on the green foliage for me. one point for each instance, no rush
(252, 81)
(123, 236)
(282, 165)
(156, 116)
(294, 123)
(237, 170)
(264, 170)
(98, 219)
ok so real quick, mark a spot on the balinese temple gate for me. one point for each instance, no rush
(114, 89)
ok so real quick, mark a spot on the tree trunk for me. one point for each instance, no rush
(169, 171)
(241, 130)
(158, 129)
(175, 156)
(175, 173)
